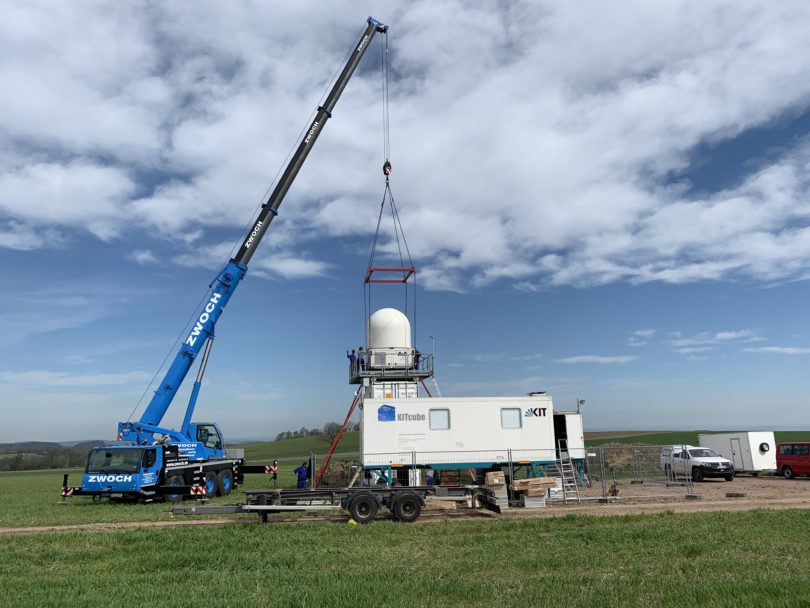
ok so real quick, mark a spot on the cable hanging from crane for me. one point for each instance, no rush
(405, 272)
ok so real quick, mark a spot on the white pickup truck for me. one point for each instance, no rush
(698, 462)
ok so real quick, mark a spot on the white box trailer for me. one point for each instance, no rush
(462, 432)
(750, 451)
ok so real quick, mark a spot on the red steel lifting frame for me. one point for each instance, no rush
(325, 463)
(371, 270)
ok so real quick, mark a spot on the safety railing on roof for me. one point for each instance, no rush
(391, 364)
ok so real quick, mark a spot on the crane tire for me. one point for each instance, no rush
(174, 480)
(224, 482)
(210, 484)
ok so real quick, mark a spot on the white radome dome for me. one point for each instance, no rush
(389, 328)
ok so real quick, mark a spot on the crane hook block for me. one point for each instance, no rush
(387, 168)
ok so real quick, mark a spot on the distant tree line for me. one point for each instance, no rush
(45, 455)
(57, 457)
(328, 432)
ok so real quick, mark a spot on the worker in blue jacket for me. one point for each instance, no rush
(303, 475)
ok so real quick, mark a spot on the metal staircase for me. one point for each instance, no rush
(568, 473)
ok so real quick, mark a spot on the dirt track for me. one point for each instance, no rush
(760, 493)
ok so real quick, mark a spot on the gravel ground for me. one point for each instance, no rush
(763, 492)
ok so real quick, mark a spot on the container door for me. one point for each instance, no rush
(737, 455)
(560, 430)
(575, 436)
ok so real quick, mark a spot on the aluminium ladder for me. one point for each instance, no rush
(568, 473)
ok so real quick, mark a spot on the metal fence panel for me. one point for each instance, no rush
(606, 473)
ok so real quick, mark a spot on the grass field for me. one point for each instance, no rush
(719, 559)
(31, 498)
(289, 449)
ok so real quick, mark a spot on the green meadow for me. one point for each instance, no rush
(750, 558)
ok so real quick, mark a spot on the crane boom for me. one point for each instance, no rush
(229, 277)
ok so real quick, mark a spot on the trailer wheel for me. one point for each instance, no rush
(224, 482)
(407, 507)
(173, 482)
(363, 508)
(788, 473)
(210, 484)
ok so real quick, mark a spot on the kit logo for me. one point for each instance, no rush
(386, 413)
(535, 411)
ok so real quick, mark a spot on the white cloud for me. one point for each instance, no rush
(484, 358)
(143, 256)
(778, 350)
(644, 333)
(45, 378)
(24, 237)
(532, 357)
(536, 145)
(717, 338)
(598, 359)
(269, 262)
(79, 194)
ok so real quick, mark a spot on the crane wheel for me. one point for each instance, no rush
(172, 482)
(210, 484)
(224, 482)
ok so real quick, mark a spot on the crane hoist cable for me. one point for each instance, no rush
(406, 271)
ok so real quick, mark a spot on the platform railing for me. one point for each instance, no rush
(416, 367)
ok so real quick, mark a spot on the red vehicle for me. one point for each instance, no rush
(793, 459)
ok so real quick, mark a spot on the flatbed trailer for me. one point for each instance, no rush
(363, 503)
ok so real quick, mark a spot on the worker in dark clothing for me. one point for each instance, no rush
(352, 361)
(361, 358)
(303, 474)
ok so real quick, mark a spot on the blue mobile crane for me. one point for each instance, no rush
(148, 460)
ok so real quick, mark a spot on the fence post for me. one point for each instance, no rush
(638, 470)
(602, 473)
(689, 489)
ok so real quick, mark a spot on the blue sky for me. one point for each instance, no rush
(604, 202)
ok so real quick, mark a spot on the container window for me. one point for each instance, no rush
(439, 420)
(510, 418)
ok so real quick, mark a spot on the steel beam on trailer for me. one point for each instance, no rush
(250, 508)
